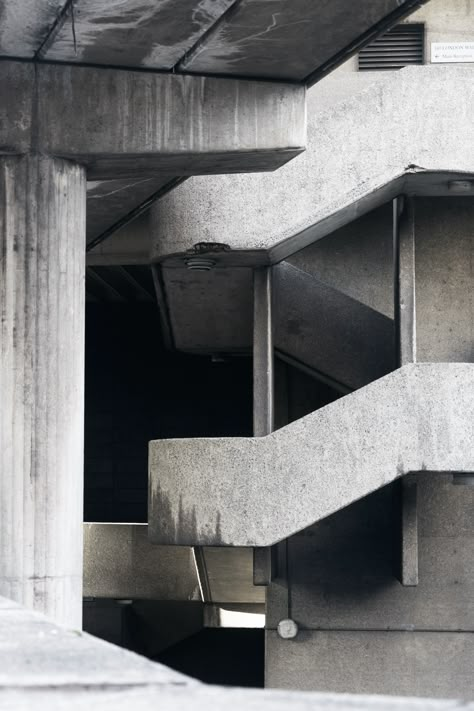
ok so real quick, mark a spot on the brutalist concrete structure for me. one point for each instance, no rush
(307, 225)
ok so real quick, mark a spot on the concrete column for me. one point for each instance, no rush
(263, 390)
(263, 400)
(405, 323)
(42, 262)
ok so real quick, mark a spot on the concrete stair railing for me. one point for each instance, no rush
(258, 491)
(329, 332)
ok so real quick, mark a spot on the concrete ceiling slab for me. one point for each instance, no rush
(299, 40)
(281, 39)
(25, 24)
(134, 33)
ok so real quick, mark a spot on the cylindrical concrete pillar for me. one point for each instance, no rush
(42, 263)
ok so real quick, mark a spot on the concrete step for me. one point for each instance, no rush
(257, 491)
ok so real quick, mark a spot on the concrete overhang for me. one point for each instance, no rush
(406, 132)
(297, 41)
(123, 124)
(257, 491)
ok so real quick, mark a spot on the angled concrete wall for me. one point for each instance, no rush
(257, 491)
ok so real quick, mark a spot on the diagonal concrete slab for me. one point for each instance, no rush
(258, 491)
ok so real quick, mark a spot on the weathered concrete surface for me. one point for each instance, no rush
(210, 36)
(121, 563)
(48, 667)
(438, 664)
(357, 259)
(42, 237)
(445, 22)
(40, 655)
(24, 25)
(303, 36)
(135, 33)
(122, 124)
(396, 133)
(321, 327)
(328, 331)
(215, 698)
(255, 492)
(342, 581)
(343, 570)
(108, 201)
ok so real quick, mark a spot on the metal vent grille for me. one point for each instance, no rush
(400, 46)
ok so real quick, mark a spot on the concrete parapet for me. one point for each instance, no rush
(45, 667)
(257, 491)
(121, 123)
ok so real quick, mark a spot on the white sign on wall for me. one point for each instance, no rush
(452, 52)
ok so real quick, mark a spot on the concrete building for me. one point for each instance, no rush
(270, 205)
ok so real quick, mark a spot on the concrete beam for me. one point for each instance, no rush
(420, 417)
(384, 154)
(120, 124)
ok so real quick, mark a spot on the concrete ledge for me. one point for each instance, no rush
(367, 142)
(48, 668)
(257, 491)
(123, 123)
(37, 654)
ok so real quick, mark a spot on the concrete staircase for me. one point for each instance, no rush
(258, 491)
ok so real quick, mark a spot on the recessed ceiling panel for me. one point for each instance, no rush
(134, 33)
